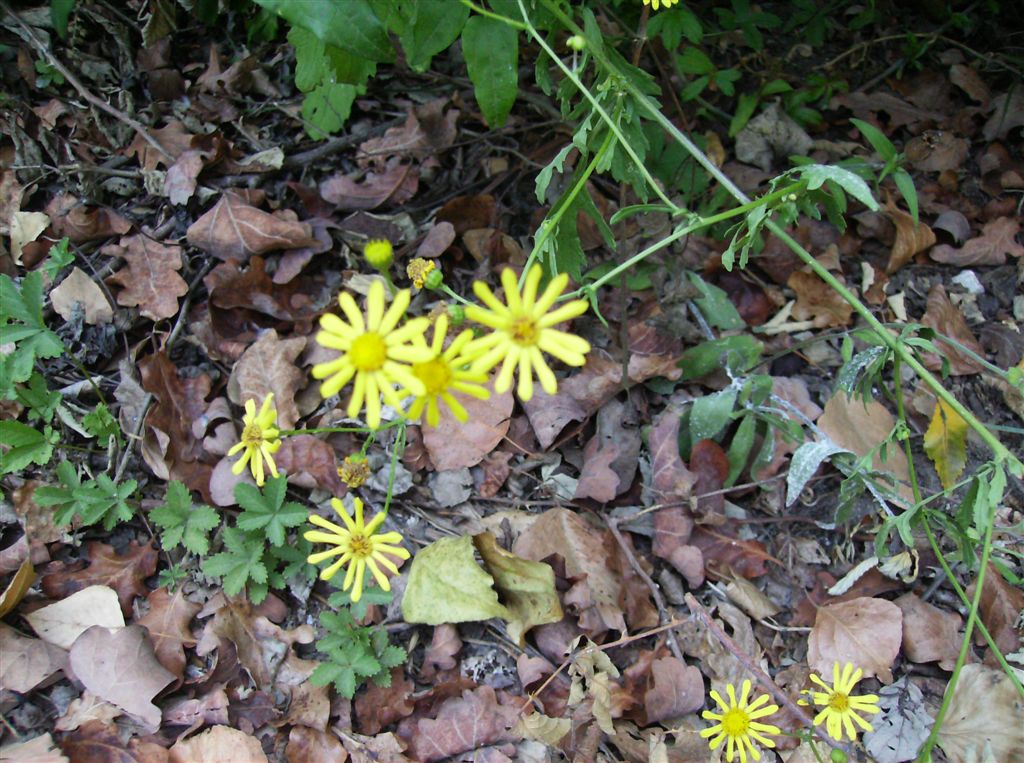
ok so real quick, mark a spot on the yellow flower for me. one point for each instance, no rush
(655, 4)
(259, 440)
(446, 372)
(523, 330)
(840, 709)
(354, 470)
(374, 351)
(379, 253)
(418, 269)
(359, 545)
(737, 723)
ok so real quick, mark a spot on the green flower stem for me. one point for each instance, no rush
(902, 413)
(398, 450)
(972, 619)
(496, 16)
(457, 297)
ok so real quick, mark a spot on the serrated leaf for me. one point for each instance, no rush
(945, 442)
(21, 322)
(242, 561)
(267, 511)
(39, 399)
(26, 445)
(101, 424)
(184, 523)
(311, 64)
(491, 49)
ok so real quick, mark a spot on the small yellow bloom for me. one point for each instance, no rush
(374, 351)
(360, 546)
(379, 253)
(259, 440)
(840, 709)
(522, 331)
(447, 371)
(655, 4)
(418, 269)
(737, 723)
(354, 471)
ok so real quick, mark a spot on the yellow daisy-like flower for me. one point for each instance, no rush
(840, 708)
(737, 723)
(374, 351)
(447, 371)
(523, 331)
(360, 546)
(379, 253)
(259, 440)
(655, 4)
(418, 269)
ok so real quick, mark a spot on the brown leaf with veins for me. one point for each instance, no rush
(124, 573)
(996, 241)
(119, 665)
(478, 718)
(218, 745)
(310, 462)
(235, 230)
(79, 289)
(724, 551)
(453, 444)
(86, 709)
(151, 281)
(80, 223)
(610, 457)
(983, 722)
(671, 481)
(674, 689)
(440, 655)
(967, 79)
(377, 707)
(910, 239)
(306, 745)
(27, 662)
(397, 184)
(946, 318)
(710, 464)
(268, 366)
(866, 632)
(1000, 608)
(167, 622)
(860, 427)
(427, 132)
(465, 213)
(929, 633)
(175, 139)
(818, 302)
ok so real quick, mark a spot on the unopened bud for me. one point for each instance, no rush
(434, 279)
(576, 42)
(379, 253)
(457, 314)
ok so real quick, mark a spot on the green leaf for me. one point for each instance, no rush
(39, 399)
(711, 413)
(544, 176)
(311, 64)
(60, 13)
(93, 501)
(715, 305)
(26, 446)
(745, 106)
(905, 184)
(58, 258)
(446, 585)
(738, 353)
(351, 26)
(21, 322)
(739, 449)
(184, 523)
(434, 27)
(240, 563)
(371, 595)
(491, 49)
(694, 61)
(267, 511)
(877, 139)
(101, 424)
(327, 107)
(817, 174)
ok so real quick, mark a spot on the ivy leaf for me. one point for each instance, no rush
(239, 563)
(267, 511)
(27, 445)
(945, 442)
(184, 523)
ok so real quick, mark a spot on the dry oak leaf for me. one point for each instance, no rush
(983, 720)
(866, 632)
(27, 662)
(119, 665)
(818, 302)
(474, 720)
(910, 239)
(1000, 608)
(377, 706)
(25, 227)
(440, 655)
(151, 281)
(670, 479)
(860, 427)
(996, 241)
(72, 218)
(62, 622)
(218, 745)
(967, 79)
(167, 622)
(87, 709)
(674, 689)
(306, 745)
(175, 139)
(79, 289)
(124, 573)
(99, 742)
(945, 317)
(268, 366)
(397, 183)
(456, 445)
(235, 230)
(41, 749)
(929, 633)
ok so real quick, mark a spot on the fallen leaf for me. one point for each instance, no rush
(25, 227)
(27, 661)
(268, 366)
(436, 242)
(1007, 112)
(722, 550)
(610, 457)
(945, 442)
(174, 138)
(440, 654)
(866, 632)
(866, 105)
(671, 481)
(946, 318)
(249, 711)
(377, 706)
(710, 464)
(983, 719)
(674, 690)
(151, 281)
(211, 710)
(453, 444)
(910, 238)
(62, 622)
(124, 573)
(967, 79)
(87, 709)
(936, 151)
(543, 728)
(991, 247)
(41, 749)
(19, 584)
(428, 130)
(118, 665)
(1000, 608)
(306, 745)
(72, 218)
(397, 183)
(182, 176)
(860, 427)
(235, 230)
(167, 622)
(79, 289)
(218, 745)
(955, 224)
(310, 462)
(818, 302)
(930, 634)
(902, 725)
(474, 720)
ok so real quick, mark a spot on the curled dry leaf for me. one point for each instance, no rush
(86, 709)
(98, 742)
(866, 632)
(397, 183)
(377, 707)
(983, 720)
(478, 718)
(174, 137)
(440, 655)
(991, 247)
(910, 238)
(235, 230)
(967, 79)
(62, 622)
(125, 573)
(428, 130)
(27, 662)
(167, 623)
(818, 302)
(946, 318)
(306, 745)
(456, 445)
(268, 366)
(151, 281)
(72, 218)
(218, 745)
(79, 289)
(929, 633)
(119, 665)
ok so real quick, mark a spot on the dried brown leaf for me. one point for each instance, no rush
(167, 622)
(41, 749)
(474, 720)
(440, 655)
(124, 573)
(860, 427)
(175, 139)
(997, 240)
(929, 633)
(946, 318)
(218, 745)
(310, 462)
(936, 151)
(1000, 608)
(453, 444)
(437, 241)
(670, 479)
(62, 622)
(983, 719)
(818, 302)
(79, 289)
(87, 709)
(428, 130)
(306, 745)
(98, 742)
(866, 632)
(610, 457)
(72, 218)
(235, 230)
(967, 79)
(27, 662)
(268, 366)
(377, 707)
(674, 689)
(151, 281)
(397, 183)
(910, 239)
(182, 176)
(722, 550)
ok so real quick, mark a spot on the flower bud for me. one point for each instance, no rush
(434, 279)
(456, 314)
(379, 253)
(576, 42)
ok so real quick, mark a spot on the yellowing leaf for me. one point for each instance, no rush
(945, 442)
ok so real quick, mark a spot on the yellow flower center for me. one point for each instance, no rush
(368, 352)
(360, 547)
(252, 435)
(735, 722)
(435, 374)
(524, 331)
(839, 702)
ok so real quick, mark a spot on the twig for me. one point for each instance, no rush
(762, 678)
(76, 83)
(659, 601)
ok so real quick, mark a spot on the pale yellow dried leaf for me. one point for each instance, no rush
(945, 442)
(64, 621)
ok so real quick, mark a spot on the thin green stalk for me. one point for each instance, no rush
(445, 289)
(902, 413)
(496, 16)
(393, 468)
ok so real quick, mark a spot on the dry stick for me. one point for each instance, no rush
(659, 601)
(762, 678)
(76, 83)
